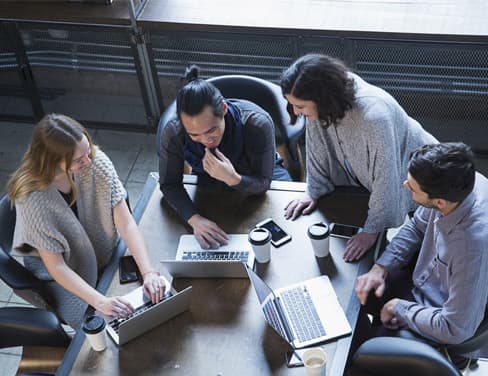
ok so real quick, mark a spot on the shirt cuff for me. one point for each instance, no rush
(403, 310)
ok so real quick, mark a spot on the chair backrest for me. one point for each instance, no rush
(7, 223)
(264, 93)
(476, 342)
(12, 272)
(261, 92)
(27, 326)
(386, 356)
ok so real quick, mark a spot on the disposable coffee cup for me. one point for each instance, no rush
(260, 240)
(94, 328)
(319, 237)
(315, 361)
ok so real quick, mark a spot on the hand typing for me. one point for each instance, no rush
(115, 306)
(207, 233)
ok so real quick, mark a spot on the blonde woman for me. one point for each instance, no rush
(71, 209)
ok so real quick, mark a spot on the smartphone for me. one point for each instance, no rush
(343, 231)
(278, 235)
(293, 359)
(128, 270)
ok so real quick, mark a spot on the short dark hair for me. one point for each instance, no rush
(444, 170)
(323, 80)
(197, 94)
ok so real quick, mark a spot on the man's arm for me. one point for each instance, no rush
(260, 150)
(397, 254)
(407, 242)
(171, 164)
(465, 276)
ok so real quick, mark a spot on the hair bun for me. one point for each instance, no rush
(191, 73)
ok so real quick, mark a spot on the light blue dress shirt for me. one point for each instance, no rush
(451, 275)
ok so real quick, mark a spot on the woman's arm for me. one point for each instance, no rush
(72, 282)
(132, 236)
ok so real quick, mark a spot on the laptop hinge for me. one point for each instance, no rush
(284, 322)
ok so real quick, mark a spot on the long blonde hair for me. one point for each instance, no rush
(54, 140)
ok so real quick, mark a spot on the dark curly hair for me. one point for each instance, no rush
(444, 170)
(323, 80)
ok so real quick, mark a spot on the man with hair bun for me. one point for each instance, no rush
(227, 142)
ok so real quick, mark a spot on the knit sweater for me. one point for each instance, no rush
(376, 137)
(45, 222)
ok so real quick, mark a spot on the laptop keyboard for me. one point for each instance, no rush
(303, 316)
(115, 323)
(215, 256)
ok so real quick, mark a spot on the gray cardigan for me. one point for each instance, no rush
(376, 137)
(44, 221)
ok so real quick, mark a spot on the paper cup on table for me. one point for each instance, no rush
(260, 240)
(94, 328)
(315, 361)
(319, 237)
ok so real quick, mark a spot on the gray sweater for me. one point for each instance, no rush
(376, 137)
(44, 221)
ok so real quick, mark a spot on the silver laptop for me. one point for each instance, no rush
(304, 313)
(147, 315)
(228, 261)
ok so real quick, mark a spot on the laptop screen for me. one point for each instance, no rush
(262, 289)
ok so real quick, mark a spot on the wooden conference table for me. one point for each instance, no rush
(225, 333)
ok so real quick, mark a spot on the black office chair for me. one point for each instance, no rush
(266, 95)
(24, 283)
(41, 335)
(408, 356)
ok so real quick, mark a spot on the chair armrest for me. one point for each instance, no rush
(386, 356)
(476, 342)
(26, 326)
(15, 275)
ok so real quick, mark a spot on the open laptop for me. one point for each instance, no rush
(227, 261)
(304, 313)
(147, 315)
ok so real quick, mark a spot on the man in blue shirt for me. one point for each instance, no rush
(445, 298)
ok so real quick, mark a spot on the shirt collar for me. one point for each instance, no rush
(448, 222)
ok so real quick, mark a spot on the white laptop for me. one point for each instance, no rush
(147, 315)
(227, 261)
(304, 313)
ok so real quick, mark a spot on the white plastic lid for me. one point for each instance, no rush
(259, 236)
(318, 231)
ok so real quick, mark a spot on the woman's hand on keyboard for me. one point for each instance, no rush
(115, 306)
(154, 286)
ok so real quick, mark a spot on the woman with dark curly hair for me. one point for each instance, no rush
(357, 135)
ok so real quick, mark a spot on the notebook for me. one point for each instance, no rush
(147, 315)
(228, 261)
(304, 313)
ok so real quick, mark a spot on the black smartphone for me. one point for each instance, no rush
(128, 270)
(343, 231)
(278, 235)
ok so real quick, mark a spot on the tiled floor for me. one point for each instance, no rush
(134, 156)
